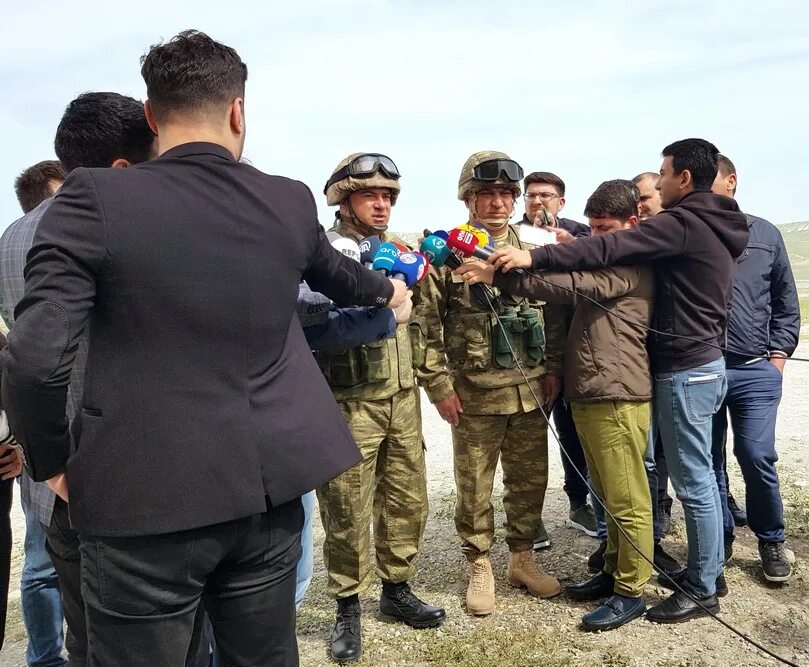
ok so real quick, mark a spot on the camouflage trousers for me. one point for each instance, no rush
(520, 442)
(388, 485)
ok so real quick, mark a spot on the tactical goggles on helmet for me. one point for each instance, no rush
(365, 166)
(490, 171)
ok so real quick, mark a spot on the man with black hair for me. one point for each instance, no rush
(37, 183)
(196, 435)
(97, 129)
(544, 199)
(762, 333)
(693, 246)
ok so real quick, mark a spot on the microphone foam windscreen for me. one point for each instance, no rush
(385, 257)
(368, 247)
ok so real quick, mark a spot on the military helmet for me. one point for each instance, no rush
(382, 173)
(470, 181)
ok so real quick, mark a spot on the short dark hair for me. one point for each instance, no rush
(613, 199)
(644, 174)
(33, 185)
(191, 72)
(99, 128)
(546, 177)
(698, 157)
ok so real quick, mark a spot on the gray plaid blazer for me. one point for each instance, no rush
(15, 243)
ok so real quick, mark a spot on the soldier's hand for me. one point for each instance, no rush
(402, 313)
(551, 388)
(399, 294)
(509, 257)
(476, 272)
(10, 462)
(449, 408)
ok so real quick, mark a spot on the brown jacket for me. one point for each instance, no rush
(605, 355)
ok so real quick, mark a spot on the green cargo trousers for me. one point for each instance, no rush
(613, 435)
(389, 486)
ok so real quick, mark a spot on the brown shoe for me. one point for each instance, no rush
(524, 571)
(480, 593)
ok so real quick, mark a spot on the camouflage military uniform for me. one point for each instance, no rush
(389, 484)
(500, 419)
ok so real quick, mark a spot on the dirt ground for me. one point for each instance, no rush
(525, 632)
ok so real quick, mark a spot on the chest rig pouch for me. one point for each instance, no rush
(520, 329)
(356, 366)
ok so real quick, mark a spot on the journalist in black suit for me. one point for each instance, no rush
(204, 415)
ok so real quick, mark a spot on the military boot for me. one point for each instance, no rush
(480, 593)
(524, 571)
(346, 642)
(399, 602)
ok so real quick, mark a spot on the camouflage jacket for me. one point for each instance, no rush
(384, 367)
(462, 344)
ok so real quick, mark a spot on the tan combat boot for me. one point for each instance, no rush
(524, 571)
(480, 594)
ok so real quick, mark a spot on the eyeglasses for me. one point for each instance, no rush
(365, 166)
(542, 196)
(491, 170)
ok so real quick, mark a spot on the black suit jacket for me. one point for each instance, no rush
(201, 396)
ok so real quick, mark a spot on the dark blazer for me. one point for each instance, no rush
(201, 396)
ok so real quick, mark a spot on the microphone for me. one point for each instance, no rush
(346, 246)
(411, 267)
(402, 247)
(481, 235)
(435, 249)
(465, 243)
(385, 257)
(368, 247)
(441, 234)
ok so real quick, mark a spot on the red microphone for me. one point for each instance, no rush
(465, 243)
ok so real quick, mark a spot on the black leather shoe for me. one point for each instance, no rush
(665, 562)
(346, 641)
(679, 579)
(678, 608)
(398, 602)
(595, 588)
(595, 563)
(614, 613)
(774, 561)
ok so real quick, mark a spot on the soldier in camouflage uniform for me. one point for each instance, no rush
(375, 386)
(471, 376)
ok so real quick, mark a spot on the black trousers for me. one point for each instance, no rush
(142, 594)
(6, 495)
(575, 487)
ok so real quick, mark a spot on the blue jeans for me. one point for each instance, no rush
(651, 473)
(754, 392)
(685, 403)
(41, 601)
(303, 575)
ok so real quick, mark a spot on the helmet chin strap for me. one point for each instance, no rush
(496, 226)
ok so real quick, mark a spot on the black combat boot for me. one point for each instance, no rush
(346, 642)
(398, 602)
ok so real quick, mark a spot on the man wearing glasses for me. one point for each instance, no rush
(544, 200)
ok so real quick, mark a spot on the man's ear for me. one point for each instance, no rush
(237, 116)
(120, 163)
(685, 179)
(147, 108)
(561, 203)
(731, 183)
(632, 221)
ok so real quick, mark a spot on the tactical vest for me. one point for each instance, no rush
(482, 348)
(377, 370)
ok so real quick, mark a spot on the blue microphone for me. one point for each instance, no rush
(385, 257)
(368, 247)
(411, 267)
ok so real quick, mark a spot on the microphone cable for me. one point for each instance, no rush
(490, 298)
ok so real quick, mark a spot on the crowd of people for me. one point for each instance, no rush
(195, 364)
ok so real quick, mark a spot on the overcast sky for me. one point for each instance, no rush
(589, 90)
